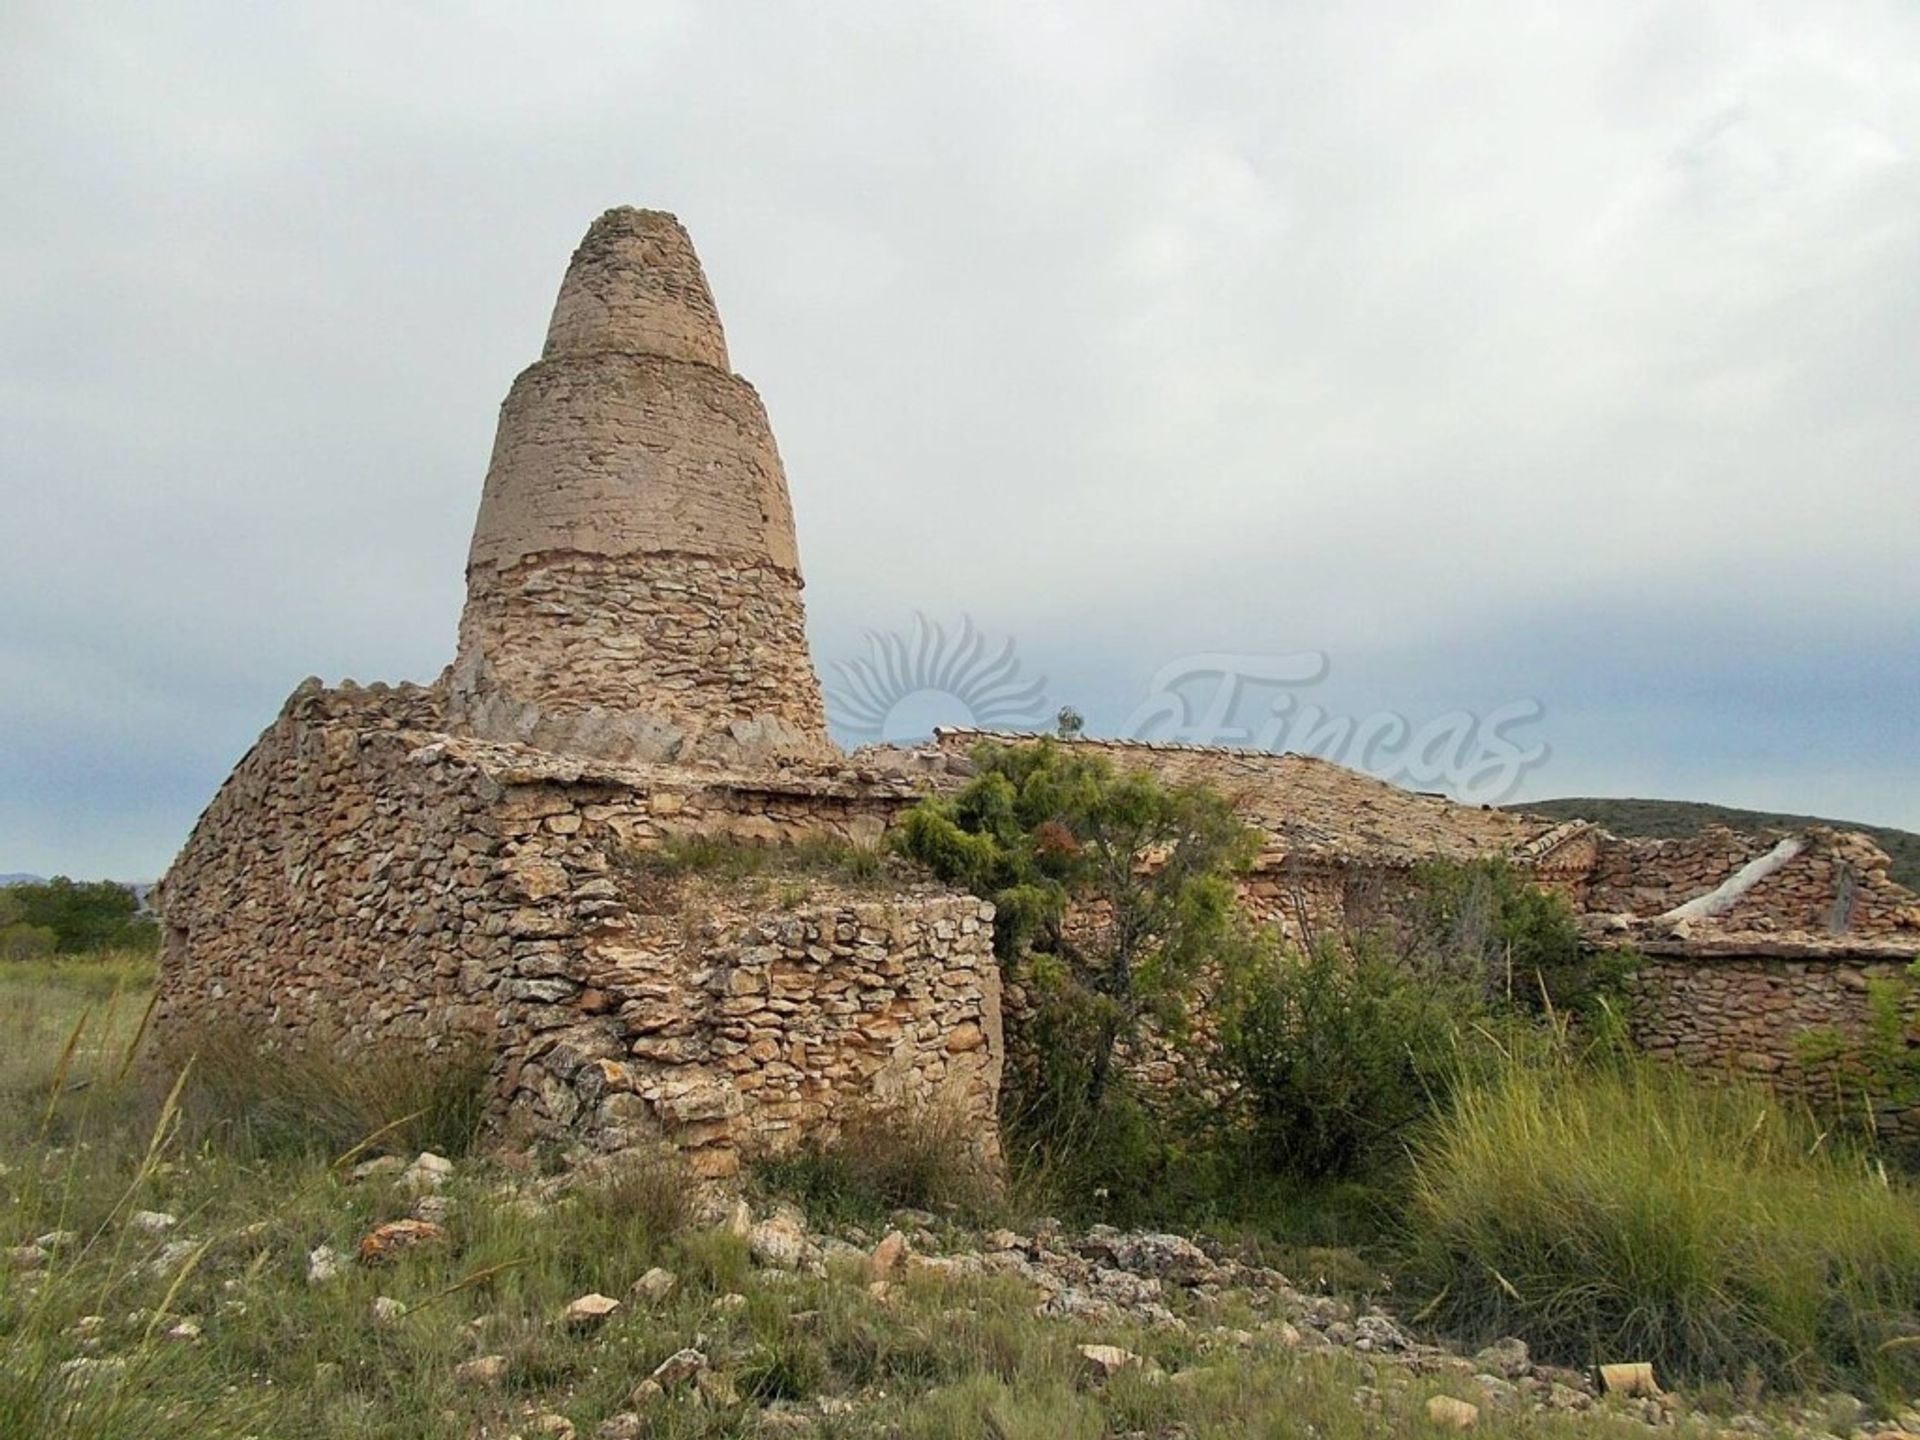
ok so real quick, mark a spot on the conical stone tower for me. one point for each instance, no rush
(633, 588)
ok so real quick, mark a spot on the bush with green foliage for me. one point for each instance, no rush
(79, 915)
(1628, 1210)
(1338, 1053)
(1148, 871)
(1484, 922)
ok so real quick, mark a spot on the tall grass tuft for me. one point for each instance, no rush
(884, 1158)
(1627, 1211)
(309, 1099)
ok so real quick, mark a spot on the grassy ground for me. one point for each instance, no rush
(211, 1326)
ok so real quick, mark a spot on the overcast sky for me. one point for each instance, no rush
(1564, 358)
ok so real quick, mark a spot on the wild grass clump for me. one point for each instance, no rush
(1626, 1211)
(882, 1159)
(264, 1100)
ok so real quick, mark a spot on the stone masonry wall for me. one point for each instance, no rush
(1650, 877)
(1747, 1015)
(331, 890)
(362, 880)
(676, 656)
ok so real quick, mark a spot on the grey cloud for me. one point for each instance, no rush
(1128, 329)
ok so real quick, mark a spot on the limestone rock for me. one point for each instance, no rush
(1103, 1362)
(427, 1172)
(152, 1222)
(678, 1368)
(485, 1370)
(1633, 1378)
(589, 1312)
(654, 1286)
(1452, 1413)
(323, 1265)
(780, 1241)
(889, 1256)
(385, 1243)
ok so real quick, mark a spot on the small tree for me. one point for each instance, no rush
(85, 914)
(1485, 922)
(1112, 890)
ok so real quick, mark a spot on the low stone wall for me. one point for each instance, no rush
(362, 880)
(734, 1024)
(332, 892)
(1747, 1015)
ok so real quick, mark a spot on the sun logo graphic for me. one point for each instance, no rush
(909, 683)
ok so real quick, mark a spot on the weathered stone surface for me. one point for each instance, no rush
(633, 587)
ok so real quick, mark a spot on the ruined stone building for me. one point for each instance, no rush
(466, 862)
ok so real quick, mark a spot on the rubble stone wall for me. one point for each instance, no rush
(357, 882)
(1748, 1015)
(332, 892)
(1651, 877)
(678, 656)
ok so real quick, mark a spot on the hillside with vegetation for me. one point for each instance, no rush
(1672, 819)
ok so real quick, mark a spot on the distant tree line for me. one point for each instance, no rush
(66, 917)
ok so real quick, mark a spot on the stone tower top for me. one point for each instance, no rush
(633, 587)
(635, 285)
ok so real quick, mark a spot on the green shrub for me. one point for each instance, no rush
(79, 914)
(1630, 1212)
(1147, 871)
(882, 1159)
(1484, 922)
(1337, 1055)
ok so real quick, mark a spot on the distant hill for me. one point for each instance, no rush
(1668, 819)
(19, 878)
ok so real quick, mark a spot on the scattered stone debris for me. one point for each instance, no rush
(152, 1222)
(387, 1310)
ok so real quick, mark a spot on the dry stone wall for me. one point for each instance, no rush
(1751, 1016)
(682, 656)
(363, 880)
(332, 892)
